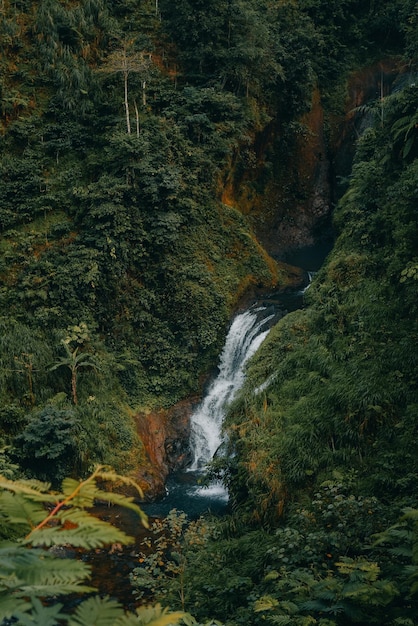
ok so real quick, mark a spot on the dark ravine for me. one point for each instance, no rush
(181, 488)
(301, 241)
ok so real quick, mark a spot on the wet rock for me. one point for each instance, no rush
(165, 435)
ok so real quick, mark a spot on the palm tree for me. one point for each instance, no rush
(75, 360)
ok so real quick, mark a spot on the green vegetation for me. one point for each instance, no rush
(321, 464)
(123, 126)
(30, 573)
(110, 219)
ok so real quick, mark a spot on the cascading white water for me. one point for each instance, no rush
(247, 332)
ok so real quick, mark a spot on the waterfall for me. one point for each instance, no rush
(247, 332)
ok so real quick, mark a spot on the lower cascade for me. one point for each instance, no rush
(184, 491)
(247, 332)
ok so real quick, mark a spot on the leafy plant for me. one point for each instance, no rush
(47, 445)
(29, 573)
(164, 563)
(75, 361)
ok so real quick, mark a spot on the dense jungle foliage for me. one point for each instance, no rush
(120, 267)
(119, 264)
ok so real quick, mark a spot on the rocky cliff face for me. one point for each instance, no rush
(367, 85)
(286, 190)
(165, 436)
(292, 181)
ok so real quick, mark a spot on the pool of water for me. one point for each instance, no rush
(186, 492)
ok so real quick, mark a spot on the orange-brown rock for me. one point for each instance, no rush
(165, 436)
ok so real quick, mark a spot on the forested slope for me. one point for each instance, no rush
(123, 126)
(321, 458)
(120, 266)
(323, 435)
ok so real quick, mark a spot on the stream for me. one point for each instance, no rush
(184, 490)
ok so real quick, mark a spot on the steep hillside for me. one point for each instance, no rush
(321, 459)
(153, 156)
(120, 265)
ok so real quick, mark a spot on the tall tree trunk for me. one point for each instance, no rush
(137, 118)
(128, 121)
(74, 385)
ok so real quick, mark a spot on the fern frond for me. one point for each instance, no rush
(152, 616)
(33, 573)
(289, 607)
(10, 605)
(18, 509)
(282, 620)
(48, 591)
(15, 558)
(123, 501)
(106, 473)
(97, 611)
(38, 567)
(402, 551)
(81, 494)
(34, 488)
(86, 492)
(93, 534)
(410, 514)
(40, 614)
(313, 605)
(265, 603)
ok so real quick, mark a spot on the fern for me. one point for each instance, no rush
(97, 612)
(29, 575)
(40, 568)
(105, 612)
(87, 532)
(41, 615)
(152, 616)
(19, 510)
